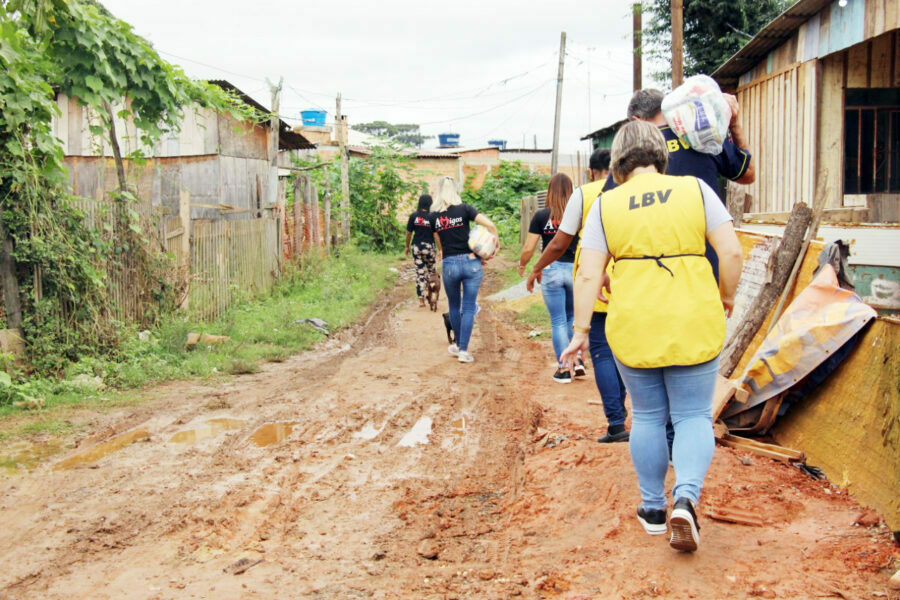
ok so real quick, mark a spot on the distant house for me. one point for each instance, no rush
(219, 160)
(819, 89)
(603, 137)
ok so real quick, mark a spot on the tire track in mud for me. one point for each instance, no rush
(327, 493)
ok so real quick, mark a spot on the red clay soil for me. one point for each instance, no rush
(510, 496)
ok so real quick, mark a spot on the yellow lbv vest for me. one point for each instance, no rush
(589, 193)
(667, 309)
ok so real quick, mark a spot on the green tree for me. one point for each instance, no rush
(500, 195)
(380, 183)
(403, 133)
(713, 30)
(78, 48)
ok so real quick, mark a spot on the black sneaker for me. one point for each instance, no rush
(562, 376)
(609, 438)
(579, 368)
(654, 521)
(685, 531)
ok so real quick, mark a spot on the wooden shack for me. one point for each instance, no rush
(217, 159)
(819, 89)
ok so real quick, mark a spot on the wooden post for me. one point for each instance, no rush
(274, 128)
(340, 123)
(327, 211)
(783, 261)
(184, 264)
(298, 217)
(636, 46)
(12, 302)
(677, 43)
(554, 156)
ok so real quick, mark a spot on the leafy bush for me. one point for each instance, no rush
(500, 196)
(379, 184)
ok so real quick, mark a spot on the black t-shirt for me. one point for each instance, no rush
(452, 226)
(542, 225)
(420, 226)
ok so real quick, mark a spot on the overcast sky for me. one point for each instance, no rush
(485, 69)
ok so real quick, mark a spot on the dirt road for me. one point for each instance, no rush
(316, 478)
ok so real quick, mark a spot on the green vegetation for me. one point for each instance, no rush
(499, 197)
(379, 184)
(57, 291)
(332, 289)
(713, 30)
(403, 133)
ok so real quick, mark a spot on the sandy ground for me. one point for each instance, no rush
(344, 496)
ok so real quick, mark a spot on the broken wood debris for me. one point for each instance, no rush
(242, 565)
(726, 391)
(734, 515)
(770, 450)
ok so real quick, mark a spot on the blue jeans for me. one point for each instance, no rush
(556, 287)
(609, 382)
(686, 394)
(462, 276)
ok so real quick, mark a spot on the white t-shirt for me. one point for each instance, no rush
(571, 219)
(594, 238)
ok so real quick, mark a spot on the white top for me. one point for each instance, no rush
(571, 219)
(594, 238)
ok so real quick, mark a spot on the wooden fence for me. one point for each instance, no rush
(214, 263)
(231, 261)
(528, 206)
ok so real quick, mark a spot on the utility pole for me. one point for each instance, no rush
(636, 46)
(677, 43)
(274, 129)
(589, 50)
(340, 123)
(554, 156)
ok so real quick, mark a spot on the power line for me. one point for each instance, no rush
(475, 114)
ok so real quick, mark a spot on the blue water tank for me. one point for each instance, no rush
(448, 139)
(498, 143)
(313, 118)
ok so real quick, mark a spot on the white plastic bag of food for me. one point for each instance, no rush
(482, 242)
(698, 114)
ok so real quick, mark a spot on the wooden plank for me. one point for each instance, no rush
(776, 73)
(830, 130)
(892, 15)
(731, 515)
(881, 61)
(858, 65)
(763, 449)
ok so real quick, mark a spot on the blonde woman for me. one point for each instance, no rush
(666, 323)
(461, 269)
(556, 278)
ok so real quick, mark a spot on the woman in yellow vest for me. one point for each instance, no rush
(666, 323)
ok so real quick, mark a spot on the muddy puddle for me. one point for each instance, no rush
(418, 434)
(104, 449)
(24, 456)
(210, 428)
(272, 433)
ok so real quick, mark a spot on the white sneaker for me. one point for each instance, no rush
(453, 350)
(465, 357)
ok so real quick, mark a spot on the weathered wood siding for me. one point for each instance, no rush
(793, 105)
(198, 133)
(211, 179)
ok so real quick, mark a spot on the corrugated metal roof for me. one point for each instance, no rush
(778, 31)
(606, 130)
(288, 139)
